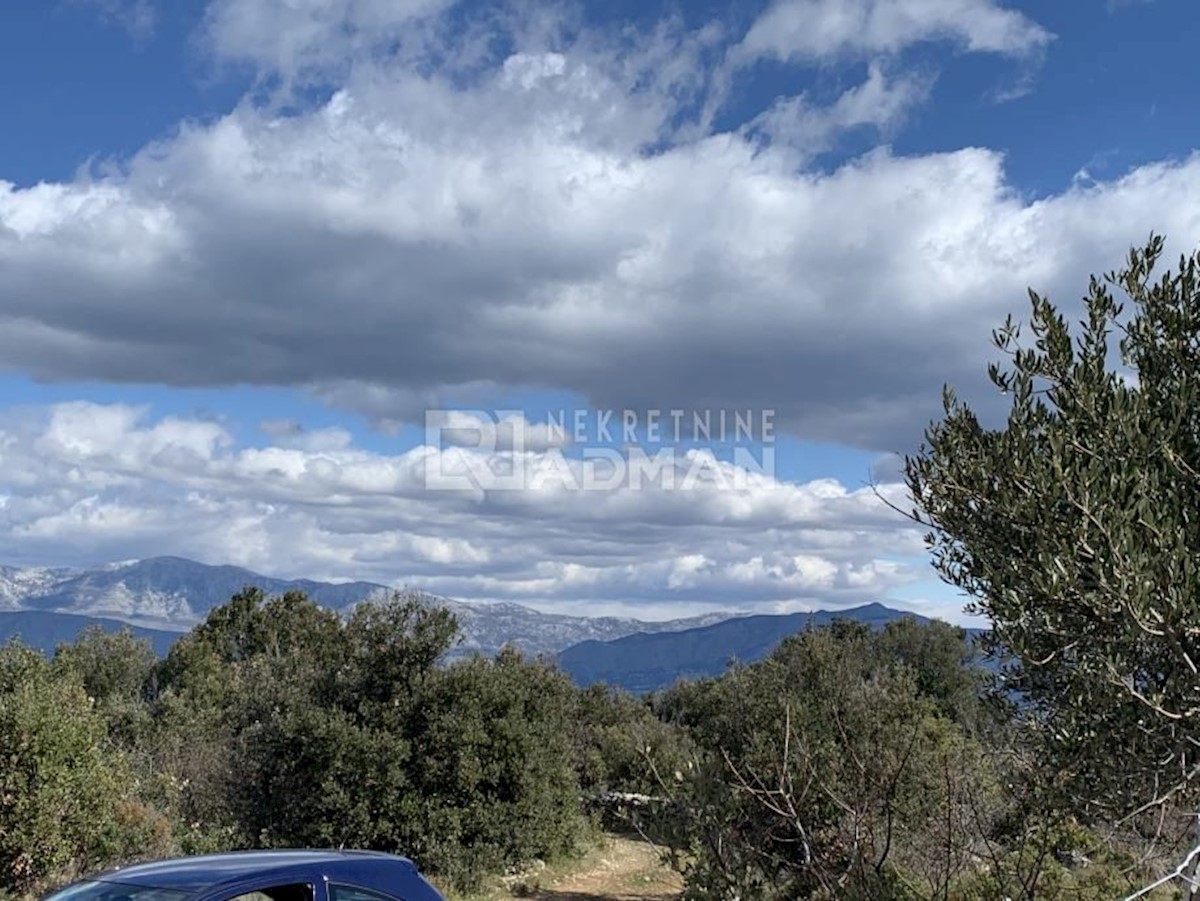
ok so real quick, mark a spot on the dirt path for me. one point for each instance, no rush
(623, 870)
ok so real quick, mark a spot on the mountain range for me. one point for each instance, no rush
(162, 597)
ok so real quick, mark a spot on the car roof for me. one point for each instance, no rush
(368, 869)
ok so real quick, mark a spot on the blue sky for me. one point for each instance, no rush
(244, 249)
(80, 87)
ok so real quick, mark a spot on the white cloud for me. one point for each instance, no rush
(302, 38)
(440, 234)
(880, 102)
(820, 29)
(396, 247)
(87, 482)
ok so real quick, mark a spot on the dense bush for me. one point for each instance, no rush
(496, 771)
(621, 743)
(824, 770)
(349, 733)
(67, 796)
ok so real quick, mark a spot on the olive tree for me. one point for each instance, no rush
(1074, 526)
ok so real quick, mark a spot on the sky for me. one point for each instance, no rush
(250, 251)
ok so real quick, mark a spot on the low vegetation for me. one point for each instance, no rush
(851, 763)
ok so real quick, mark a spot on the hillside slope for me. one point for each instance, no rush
(646, 662)
(45, 631)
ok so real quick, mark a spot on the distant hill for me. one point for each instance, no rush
(646, 662)
(45, 631)
(164, 594)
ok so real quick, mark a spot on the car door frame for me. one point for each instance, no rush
(378, 894)
(420, 890)
(318, 880)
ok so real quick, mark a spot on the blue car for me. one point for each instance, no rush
(260, 876)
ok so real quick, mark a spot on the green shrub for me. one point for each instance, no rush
(66, 794)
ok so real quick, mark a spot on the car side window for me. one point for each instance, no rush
(354, 893)
(292, 892)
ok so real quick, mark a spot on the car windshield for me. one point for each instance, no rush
(115, 891)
